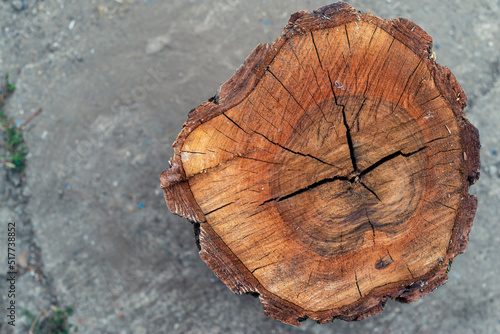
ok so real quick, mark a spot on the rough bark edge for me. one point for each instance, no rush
(178, 195)
(471, 165)
(220, 258)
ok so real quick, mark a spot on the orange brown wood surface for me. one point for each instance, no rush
(332, 171)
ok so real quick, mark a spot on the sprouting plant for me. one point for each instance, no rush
(16, 152)
(9, 86)
(53, 322)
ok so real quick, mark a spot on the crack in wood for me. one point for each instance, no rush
(372, 226)
(222, 133)
(343, 107)
(259, 160)
(317, 83)
(446, 206)
(379, 78)
(407, 267)
(389, 158)
(192, 152)
(389, 255)
(256, 110)
(237, 125)
(303, 190)
(357, 284)
(350, 142)
(316, 48)
(262, 267)
(284, 109)
(436, 139)
(347, 36)
(356, 117)
(353, 179)
(220, 208)
(227, 151)
(371, 191)
(434, 98)
(284, 87)
(264, 256)
(294, 152)
(406, 84)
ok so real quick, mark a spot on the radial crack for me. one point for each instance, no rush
(407, 267)
(237, 125)
(303, 190)
(389, 158)
(389, 255)
(220, 208)
(371, 191)
(357, 284)
(284, 87)
(349, 141)
(222, 133)
(294, 152)
(314, 73)
(446, 206)
(348, 130)
(316, 48)
(347, 36)
(262, 267)
(192, 152)
(259, 160)
(406, 84)
(372, 226)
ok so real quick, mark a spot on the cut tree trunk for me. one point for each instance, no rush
(332, 171)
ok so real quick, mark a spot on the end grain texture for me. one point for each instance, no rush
(332, 171)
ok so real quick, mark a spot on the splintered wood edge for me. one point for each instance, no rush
(215, 252)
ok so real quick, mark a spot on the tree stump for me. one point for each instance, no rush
(332, 171)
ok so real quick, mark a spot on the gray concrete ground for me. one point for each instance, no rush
(116, 80)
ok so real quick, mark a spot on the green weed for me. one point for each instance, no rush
(15, 150)
(55, 322)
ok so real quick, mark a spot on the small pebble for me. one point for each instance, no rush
(53, 47)
(494, 170)
(18, 4)
(16, 180)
